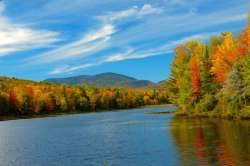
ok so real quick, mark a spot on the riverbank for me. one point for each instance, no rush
(158, 105)
(33, 116)
(245, 115)
(162, 112)
(7, 118)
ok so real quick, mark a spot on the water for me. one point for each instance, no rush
(127, 138)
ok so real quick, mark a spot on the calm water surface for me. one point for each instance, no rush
(128, 138)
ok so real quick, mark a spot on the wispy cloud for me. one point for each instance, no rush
(131, 53)
(133, 28)
(163, 49)
(169, 25)
(89, 43)
(96, 40)
(68, 69)
(135, 12)
(18, 37)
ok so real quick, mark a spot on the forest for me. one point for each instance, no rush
(213, 78)
(26, 98)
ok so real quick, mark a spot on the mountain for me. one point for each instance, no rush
(162, 83)
(105, 80)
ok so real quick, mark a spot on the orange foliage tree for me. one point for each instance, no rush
(244, 40)
(225, 56)
(195, 76)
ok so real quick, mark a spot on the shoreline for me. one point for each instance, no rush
(176, 113)
(34, 116)
(213, 114)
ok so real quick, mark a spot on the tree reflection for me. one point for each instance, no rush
(211, 142)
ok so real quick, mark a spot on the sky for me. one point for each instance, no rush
(42, 39)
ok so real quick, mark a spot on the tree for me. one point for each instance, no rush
(244, 40)
(195, 76)
(224, 58)
(13, 102)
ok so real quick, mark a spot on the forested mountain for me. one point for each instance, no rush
(22, 97)
(105, 80)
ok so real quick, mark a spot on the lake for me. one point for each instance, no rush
(126, 138)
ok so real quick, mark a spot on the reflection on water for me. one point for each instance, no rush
(211, 141)
(127, 138)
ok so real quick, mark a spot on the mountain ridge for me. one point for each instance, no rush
(107, 79)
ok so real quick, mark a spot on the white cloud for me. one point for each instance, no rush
(170, 25)
(135, 11)
(105, 31)
(152, 29)
(132, 53)
(96, 40)
(18, 37)
(118, 56)
(149, 9)
(68, 69)
(89, 43)
(164, 49)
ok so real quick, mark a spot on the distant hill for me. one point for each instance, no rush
(162, 83)
(105, 80)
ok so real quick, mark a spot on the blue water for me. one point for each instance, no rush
(115, 138)
(127, 138)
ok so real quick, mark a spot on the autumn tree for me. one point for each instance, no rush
(244, 40)
(13, 102)
(195, 76)
(224, 58)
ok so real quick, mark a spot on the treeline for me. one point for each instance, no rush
(20, 97)
(213, 77)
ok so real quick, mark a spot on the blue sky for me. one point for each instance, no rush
(41, 39)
